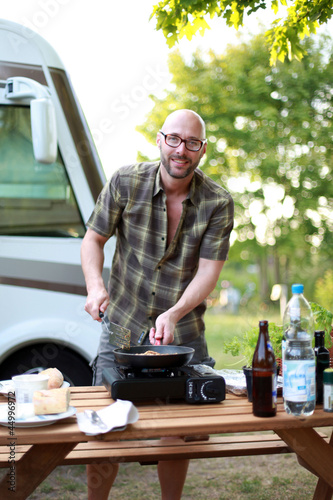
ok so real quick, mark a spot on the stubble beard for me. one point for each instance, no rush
(175, 173)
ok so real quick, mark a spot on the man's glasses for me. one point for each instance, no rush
(174, 141)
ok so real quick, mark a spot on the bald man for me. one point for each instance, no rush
(172, 224)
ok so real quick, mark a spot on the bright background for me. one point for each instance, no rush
(115, 59)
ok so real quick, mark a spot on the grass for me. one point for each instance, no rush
(239, 478)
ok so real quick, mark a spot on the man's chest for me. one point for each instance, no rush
(174, 215)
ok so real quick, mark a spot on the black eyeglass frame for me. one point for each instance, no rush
(184, 141)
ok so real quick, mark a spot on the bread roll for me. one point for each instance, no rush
(52, 401)
(56, 378)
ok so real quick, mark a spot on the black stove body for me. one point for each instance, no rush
(191, 383)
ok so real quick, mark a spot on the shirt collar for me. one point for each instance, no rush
(158, 183)
(193, 195)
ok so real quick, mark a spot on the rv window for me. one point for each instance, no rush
(35, 199)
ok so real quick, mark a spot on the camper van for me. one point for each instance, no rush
(50, 177)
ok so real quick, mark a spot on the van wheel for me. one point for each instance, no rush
(38, 357)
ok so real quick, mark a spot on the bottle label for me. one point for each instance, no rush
(299, 380)
(328, 397)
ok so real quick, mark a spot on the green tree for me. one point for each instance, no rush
(179, 18)
(269, 133)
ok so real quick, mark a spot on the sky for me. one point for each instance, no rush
(115, 59)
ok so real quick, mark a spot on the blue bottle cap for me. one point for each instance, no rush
(297, 288)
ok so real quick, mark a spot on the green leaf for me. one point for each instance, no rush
(178, 18)
(275, 6)
(236, 16)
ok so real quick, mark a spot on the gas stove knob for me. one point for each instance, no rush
(211, 390)
(208, 391)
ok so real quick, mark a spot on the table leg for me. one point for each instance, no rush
(316, 453)
(323, 491)
(33, 468)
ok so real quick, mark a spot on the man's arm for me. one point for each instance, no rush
(92, 259)
(198, 290)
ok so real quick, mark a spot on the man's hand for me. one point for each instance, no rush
(163, 333)
(97, 300)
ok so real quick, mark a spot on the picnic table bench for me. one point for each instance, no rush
(150, 451)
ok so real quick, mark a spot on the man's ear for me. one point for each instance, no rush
(158, 139)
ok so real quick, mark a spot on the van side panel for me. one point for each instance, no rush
(43, 209)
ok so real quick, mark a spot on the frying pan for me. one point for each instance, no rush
(171, 356)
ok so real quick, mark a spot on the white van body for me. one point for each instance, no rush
(43, 210)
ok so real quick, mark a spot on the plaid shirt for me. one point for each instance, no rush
(147, 276)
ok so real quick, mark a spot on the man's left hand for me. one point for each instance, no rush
(163, 333)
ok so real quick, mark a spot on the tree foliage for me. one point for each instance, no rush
(270, 142)
(179, 18)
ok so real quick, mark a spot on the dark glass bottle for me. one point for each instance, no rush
(322, 356)
(264, 375)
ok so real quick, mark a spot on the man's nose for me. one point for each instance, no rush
(181, 148)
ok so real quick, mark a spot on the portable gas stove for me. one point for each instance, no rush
(190, 383)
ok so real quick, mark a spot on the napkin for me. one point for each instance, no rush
(235, 382)
(116, 417)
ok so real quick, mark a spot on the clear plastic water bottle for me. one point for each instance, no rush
(299, 368)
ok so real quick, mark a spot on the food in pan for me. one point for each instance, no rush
(56, 378)
(150, 353)
(48, 402)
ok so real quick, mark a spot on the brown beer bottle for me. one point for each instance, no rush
(264, 375)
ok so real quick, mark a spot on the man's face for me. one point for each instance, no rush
(179, 162)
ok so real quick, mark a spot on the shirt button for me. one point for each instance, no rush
(153, 293)
(162, 238)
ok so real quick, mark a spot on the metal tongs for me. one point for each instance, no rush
(95, 419)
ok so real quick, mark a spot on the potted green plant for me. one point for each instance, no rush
(245, 346)
(323, 319)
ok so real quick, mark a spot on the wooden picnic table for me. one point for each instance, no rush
(41, 449)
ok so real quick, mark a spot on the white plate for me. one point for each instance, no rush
(37, 421)
(8, 386)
